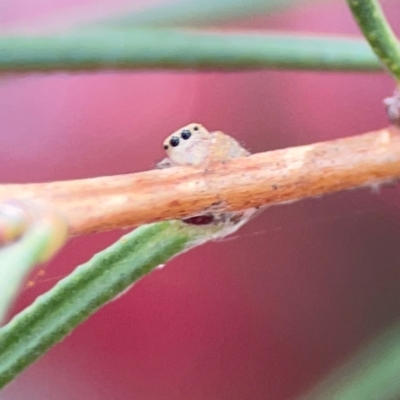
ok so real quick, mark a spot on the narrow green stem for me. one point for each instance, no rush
(377, 31)
(194, 12)
(16, 261)
(371, 374)
(55, 314)
(172, 13)
(45, 232)
(172, 49)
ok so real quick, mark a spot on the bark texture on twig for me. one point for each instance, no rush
(99, 204)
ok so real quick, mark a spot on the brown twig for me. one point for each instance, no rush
(99, 204)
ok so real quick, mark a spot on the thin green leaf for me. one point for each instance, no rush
(183, 50)
(55, 314)
(194, 12)
(167, 14)
(371, 374)
(378, 32)
(45, 234)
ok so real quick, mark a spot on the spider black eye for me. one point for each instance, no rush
(185, 134)
(165, 146)
(174, 141)
(196, 128)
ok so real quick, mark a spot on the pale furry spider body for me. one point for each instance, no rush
(194, 145)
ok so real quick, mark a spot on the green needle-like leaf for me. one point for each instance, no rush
(16, 261)
(194, 12)
(377, 31)
(183, 50)
(43, 236)
(371, 374)
(55, 314)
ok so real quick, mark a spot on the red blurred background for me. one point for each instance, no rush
(262, 315)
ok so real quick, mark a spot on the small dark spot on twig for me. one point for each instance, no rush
(199, 220)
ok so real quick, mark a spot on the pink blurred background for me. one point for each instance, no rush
(263, 315)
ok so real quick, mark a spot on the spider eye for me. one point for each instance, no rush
(165, 146)
(185, 134)
(174, 141)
